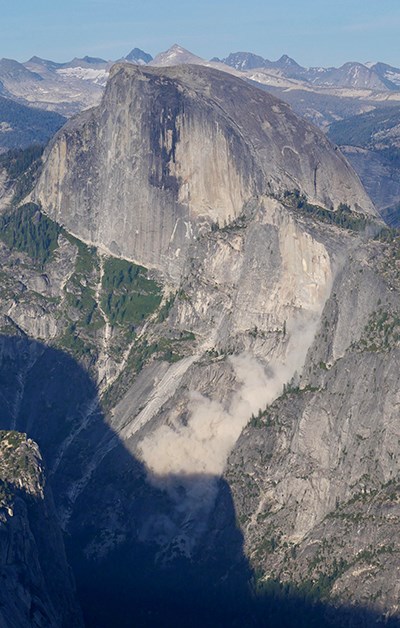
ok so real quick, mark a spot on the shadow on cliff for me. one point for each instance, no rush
(124, 537)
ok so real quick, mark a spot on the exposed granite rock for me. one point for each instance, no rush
(243, 270)
(242, 286)
(315, 476)
(171, 149)
(37, 586)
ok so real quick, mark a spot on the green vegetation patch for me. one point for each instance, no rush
(343, 216)
(381, 333)
(162, 349)
(128, 295)
(390, 236)
(81, 289)
(77, 345)
(312, 589)
(232, 224)
(263, 419)
(82, 313)
(166, 308)
(11, 438)
(268, 417)
(388, 262)
(27, 230)
(16, 458)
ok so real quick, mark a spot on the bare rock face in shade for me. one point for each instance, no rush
(37, 587)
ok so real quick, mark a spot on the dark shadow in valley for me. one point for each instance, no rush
(125, 540)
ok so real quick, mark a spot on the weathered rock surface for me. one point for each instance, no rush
(37, 587)
(325, 444)
(170, 148)
(315, 476)
(180, 359)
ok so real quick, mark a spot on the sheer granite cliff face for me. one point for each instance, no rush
(37, 587)
(315, 477)
(256, 300)
(170, 149)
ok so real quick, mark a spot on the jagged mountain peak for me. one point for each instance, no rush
(248, 61)
(354, 74)
(136, 55)
(176, 55)
(244, 61)
(13, 70)
(351, 65)
(42, 66)
(389, 74)
(178, 48)
(35, 60)
(287, 61)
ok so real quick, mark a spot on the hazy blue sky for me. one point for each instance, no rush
(314, 32)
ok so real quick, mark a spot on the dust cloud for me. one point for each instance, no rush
(203, 444)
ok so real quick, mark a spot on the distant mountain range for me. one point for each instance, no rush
(70, 87)
(324, 96)
(63, 87)
(378, 76)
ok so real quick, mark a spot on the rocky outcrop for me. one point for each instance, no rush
(37, 586)
(270, 359)
(315, 475)
(171, 149)
(143, 476)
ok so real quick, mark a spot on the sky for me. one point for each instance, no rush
(314, 32)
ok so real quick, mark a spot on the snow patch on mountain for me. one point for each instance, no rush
(394, 77)
(5, 127)
(86, 74)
